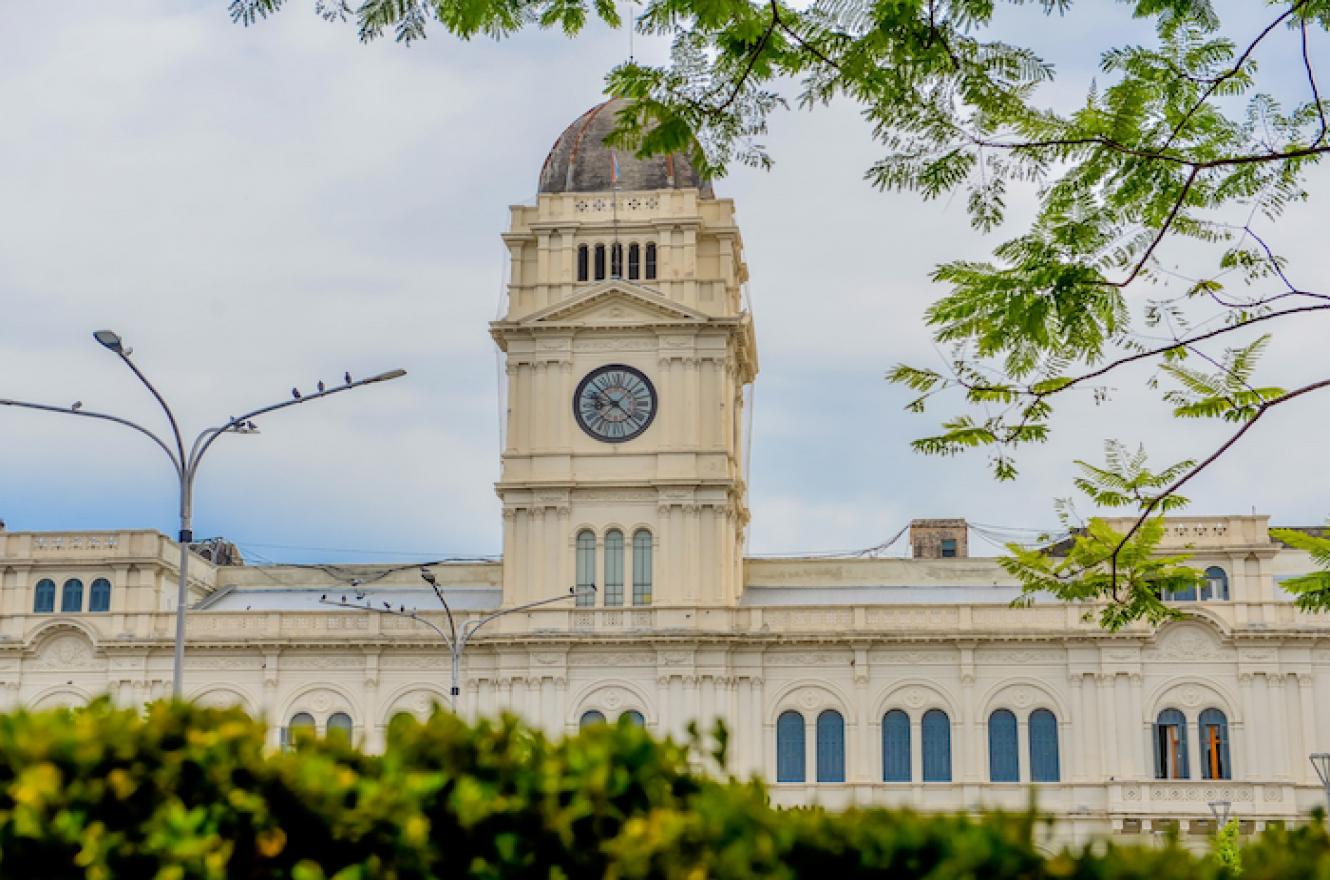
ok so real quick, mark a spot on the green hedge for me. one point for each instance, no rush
(185, 792)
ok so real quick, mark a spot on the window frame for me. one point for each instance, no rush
(643, 551)
(99, 596)
(936, 746)
(44, 590)
(1214, 759)
(830, 746)
(584, 560)
(1171, 754)
(66, 592)
(1004, 746)
(1045, 749)
(614, 564)
(791, 743)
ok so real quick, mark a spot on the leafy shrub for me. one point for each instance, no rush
(181, 792)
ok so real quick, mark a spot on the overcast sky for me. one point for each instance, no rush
(257, 208)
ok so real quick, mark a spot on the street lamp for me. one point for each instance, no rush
(454, 637)
(1321, 761)
(186, 464)
(1220, 809)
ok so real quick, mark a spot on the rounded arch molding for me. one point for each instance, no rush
(916, 696)
(53, 629)
(222, 697)
(1191, 694)
(810, 697)
(309, 699)
(608, 697)
(1022, 695)
(416, 698)
(51, 698)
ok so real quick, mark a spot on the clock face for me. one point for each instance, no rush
(614, 403)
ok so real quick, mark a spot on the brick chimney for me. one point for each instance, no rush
(939, 538)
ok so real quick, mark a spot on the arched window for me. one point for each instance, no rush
(830, 747)
(895, 746)
(790, 747)
(600, 262)
(651, 260)
(1216, 584)
(586, 568)
(99, 598)
(590, 718)
(616, 260)
(1004, 755)
(339, 725)
(614, 567)
(301, 725)
(1171, 745)
(641, 567)
(936, 736)
(1044, 763)
(634, 261)
(583, 263)
(635, 718)
(71, 595)
(1214, 745)
(43, 600)
(1186, 594)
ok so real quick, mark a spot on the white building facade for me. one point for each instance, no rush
(843, 681)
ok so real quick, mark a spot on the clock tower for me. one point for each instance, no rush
(627, 350)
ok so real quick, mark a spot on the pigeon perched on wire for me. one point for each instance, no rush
(347, 377)
(76, 406)
(322, 388)
(295, 392)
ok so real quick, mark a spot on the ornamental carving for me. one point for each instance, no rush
(911, 618)
(607, 660)
(914, 658)
(220, 698)
(914, 697)
(1186, 644)
(811, 618)
(551, 659)
(1021, 656)
(321, 661)
(67, 651)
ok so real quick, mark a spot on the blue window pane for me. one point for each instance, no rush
(1216, 584)
(635, 718)
(592, 717)
(790, 747)
(1214, 745)
(1044, 763)
(614, 567)
(1004, 763)
(641, 565)
(830, 747)
(1170, 742)
(896, 746)
(99, 599)
(71, 596)
(936, 735)
(586, 569)
(43, 600)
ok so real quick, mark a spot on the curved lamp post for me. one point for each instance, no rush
(454, 637)
(1321, 763)
(186, 464)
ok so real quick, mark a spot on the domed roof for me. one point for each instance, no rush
(580, 161)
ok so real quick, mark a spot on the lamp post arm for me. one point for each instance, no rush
(170, 416)
(447, 609)
(409, 615)
(206, 438)
(470, 627)
(87, 414)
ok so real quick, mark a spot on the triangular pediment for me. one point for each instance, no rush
(614, 303)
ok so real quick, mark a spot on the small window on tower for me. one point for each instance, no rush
(651, 260)
(583, 263)
(634, 261)
(600, 262)
(948, 547)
